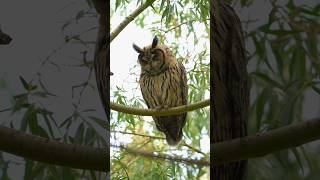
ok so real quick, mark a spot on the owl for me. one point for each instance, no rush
(163, 84)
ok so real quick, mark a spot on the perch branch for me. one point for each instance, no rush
(155, 112)
(130, 18)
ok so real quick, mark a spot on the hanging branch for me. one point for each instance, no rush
(156, 112)
(130, 18)
(162, 138)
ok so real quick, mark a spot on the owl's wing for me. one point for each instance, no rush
(145, 99)
(184, 90)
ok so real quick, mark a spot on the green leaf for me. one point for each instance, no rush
(41, 94)
(101, 122)
(24, 83)
(3, 83)
(79, 134)
(27, 115)
(316, 89)
(117, 4)
(68, 119)
(297, 156)
(165, 13)
(28, 170)
(90, 136)
(33, 121)
(260, 107)
(162, 5)
(65, 25)
(48, 124)
(267, 79)
(67, 173)
(80, 14)
(89, 3)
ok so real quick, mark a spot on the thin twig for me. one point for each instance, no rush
(163, 156)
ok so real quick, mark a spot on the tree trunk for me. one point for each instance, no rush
(230, 86)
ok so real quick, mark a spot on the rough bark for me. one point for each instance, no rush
(102, 64)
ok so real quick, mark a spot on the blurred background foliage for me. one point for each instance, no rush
(283, 51)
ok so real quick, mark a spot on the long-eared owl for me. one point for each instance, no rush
(163, 84)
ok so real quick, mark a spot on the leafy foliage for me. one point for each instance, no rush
(284, 72)
(173, 22)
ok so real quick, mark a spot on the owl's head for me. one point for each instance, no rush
(153, 59)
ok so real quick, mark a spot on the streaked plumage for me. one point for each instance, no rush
(163, 84)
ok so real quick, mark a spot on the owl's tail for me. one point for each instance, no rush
(173, 130)
(173, 138)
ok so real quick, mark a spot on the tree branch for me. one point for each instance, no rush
(179, 25)
(261, 144)
(130, 18)
(142, 135)
(53, 152)
(183, 143)
(85, 157)
(163, 156)
(155, 112)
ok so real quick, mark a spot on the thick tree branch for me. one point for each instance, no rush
(53, 152)
(259, 145)
(130, 18)
(84, 157)
(155, 112)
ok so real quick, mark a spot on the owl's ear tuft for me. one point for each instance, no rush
(155, 42)
(137, 48)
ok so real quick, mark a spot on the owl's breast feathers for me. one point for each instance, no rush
(167, 89)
